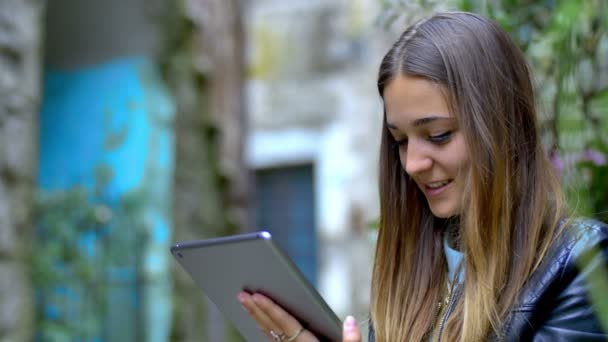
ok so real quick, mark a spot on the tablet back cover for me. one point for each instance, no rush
(223, 267)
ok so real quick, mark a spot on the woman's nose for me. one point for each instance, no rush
(416, 160)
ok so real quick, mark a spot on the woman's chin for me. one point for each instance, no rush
(444, 213)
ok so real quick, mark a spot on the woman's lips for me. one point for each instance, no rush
(436, 188)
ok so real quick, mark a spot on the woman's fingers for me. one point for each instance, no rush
(287, 324)
(271, 316)
(264, 322)
(281, 318)
(350, 330)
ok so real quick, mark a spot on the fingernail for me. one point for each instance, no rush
(257, 299)
(350, 323)
(241, 297)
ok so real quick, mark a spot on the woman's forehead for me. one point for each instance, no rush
(415, 101)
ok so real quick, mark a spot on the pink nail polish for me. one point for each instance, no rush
(258, 298)
(350, 323)
(241, 298)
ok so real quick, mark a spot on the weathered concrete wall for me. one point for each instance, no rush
(103, 82)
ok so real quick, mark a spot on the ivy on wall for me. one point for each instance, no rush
(81, 243)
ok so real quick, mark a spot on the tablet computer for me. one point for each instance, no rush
(223, 267)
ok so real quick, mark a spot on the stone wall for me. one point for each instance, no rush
(20, 24)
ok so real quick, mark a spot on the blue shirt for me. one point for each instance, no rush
(454, 258)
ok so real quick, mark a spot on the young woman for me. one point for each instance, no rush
(474, 241)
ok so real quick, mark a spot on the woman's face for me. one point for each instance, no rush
(431, 147)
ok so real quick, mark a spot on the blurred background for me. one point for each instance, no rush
(127, 126)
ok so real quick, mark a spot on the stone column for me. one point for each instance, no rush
(20, 26)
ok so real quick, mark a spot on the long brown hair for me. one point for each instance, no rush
(513, 202)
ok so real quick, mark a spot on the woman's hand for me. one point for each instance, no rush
(280, 326)
(274, 322)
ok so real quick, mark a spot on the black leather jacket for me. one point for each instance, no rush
(555, 304)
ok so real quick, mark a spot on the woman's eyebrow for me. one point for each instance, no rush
(427, 120)
(422, 121)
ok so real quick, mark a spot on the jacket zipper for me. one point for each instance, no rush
(448, 311)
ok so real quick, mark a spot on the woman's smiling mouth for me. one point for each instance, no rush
(436, 188)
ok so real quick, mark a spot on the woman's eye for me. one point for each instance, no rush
(440, 138)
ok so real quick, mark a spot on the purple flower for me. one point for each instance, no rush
(557, 161)
(596, 157)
